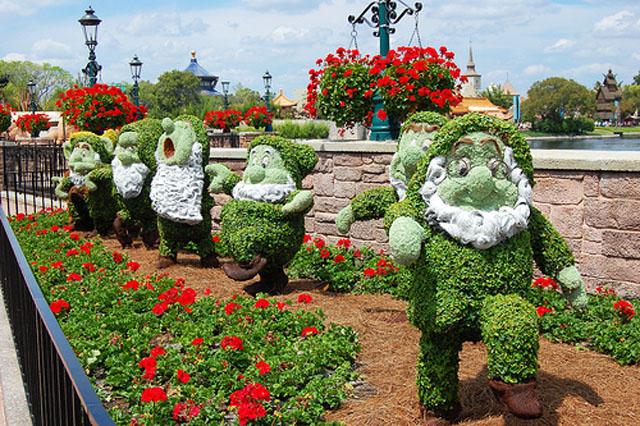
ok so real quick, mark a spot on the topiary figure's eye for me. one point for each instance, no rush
(463, 166)
(498, 168)
(265, 161)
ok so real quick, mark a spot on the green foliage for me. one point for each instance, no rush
(117, 317)
(149, 131)
(437, 371)
(552, 254)
(630, 99)
(373, 203)
(598, 327)
(348, 269)
(102, 202)
(307, 130)
(497, 96)
(175, 93)
(429, 117)
(636, 79)
(299, 159)
(102, 146)
(49, 79)
(510, 332)
(564, 126)
(555, 98)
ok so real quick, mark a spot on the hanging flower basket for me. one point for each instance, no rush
(258, 116)
(224, 120)
(5, 117)
(33, 123)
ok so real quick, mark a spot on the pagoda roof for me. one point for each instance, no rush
(481, 105)
(282, 101)
(195, 68)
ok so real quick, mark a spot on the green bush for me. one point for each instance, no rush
(566, 126)
(307, 130)
(140, 337)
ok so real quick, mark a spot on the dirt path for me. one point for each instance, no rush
(576, 387)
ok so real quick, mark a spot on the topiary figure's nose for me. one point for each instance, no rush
(480, 182)
(255, 174)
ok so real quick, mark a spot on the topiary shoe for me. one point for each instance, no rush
(521, 399)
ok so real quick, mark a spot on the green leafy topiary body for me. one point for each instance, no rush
(461, 292)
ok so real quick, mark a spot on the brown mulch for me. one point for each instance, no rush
(577, 387)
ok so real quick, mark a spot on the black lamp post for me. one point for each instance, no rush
(136, 68)
(266, 78)
(32, 101)
(225, 91)
(90, 24)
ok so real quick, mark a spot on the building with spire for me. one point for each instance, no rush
(472, 87)
(608, 97)
(207, 81)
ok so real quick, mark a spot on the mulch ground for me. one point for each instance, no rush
(577, 387)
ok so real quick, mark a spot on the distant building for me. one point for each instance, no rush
(472, 87)
(286, 106)
(481, 105)
(608, 96)
(207, 81)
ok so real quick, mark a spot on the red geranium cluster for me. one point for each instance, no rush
(383, 267)
(232, 343)
(5, 117)
(545, 283)
(248, 402)
(59, 305)
(258, 116)
(33, 123)
(184, 412)
(340, 89)
(225, 120)
(625, 309)
(543, 310)
(155, 394)
(97, 108)
(180, 294)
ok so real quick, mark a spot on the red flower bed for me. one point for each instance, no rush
(225, 120)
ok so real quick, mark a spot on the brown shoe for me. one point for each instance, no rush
(166, 261)
(239, 272)
(121, 232)
(521, 399)
(429, 418)
(210, 261)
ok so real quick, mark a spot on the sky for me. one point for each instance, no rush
(238, 40)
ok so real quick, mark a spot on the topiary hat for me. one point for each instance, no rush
(149, 131)
(101, 145)
(430, 117)
(299, 159)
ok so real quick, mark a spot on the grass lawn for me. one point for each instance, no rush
(608, 130)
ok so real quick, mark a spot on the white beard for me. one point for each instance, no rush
(265, 192)
(128, 180)
(77, 179)
(481, 229)
(176, 190)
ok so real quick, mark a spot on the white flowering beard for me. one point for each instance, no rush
(265, 192)
(77, 179)
(481, 229)
(176, 190)
(128, 180)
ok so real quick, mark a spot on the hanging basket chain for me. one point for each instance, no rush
(354, 38)
(416, 32)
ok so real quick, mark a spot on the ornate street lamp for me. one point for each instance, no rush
(90, 24)
(266, 78)
(225, 91)
(136, 68)
(31, 86)
(384, 14)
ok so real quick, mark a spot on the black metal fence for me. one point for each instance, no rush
(58, 391)
(27, 169)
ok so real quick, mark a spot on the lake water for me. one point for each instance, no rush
(610, 144)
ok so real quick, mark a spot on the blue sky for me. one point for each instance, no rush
(528, 40)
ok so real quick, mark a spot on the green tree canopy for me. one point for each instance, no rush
(50, 80)
(630, 99)
(636, 79)
(557, 97)
(176, 93)
(497, 96)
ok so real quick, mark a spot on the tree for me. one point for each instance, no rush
(630, 100)
(636, 79)
(497, 96)
(555, 98)
(244, 98)
(50, 80)
(177, 92)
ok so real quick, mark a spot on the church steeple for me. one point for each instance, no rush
(471, 66)
(475, 79)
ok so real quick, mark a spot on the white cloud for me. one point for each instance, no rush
(283, 6)
(23, 7)
(536, 70)
(616, 23)
(636, 56)
(14, 57)
(593, 70)
(165, 24)
(560, 46)
(48, 48)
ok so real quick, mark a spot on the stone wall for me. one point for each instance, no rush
(593, 198)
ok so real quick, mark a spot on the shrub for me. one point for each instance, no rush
(97, 108)
(157, 353)
(565, 126)
(33, 123)
(307, 130)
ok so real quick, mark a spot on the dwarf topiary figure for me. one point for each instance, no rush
(134, 165)
(88, 183)
(263, 226)
(178, 193)
(469, 228)
(416, 135)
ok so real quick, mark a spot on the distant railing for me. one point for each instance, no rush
(58, 391)
(27, 169)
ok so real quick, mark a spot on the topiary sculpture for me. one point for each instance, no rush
(263, 226)
(88, 183)
(134, 166)
(469, 228)
(177, 191)
(415, 137)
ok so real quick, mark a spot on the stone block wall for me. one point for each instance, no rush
(594, 203)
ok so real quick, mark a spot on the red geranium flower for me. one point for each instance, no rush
(369, 272)
(133, 266)
(624, 309)
(262, 303)
(89, 266)
(74, 277)
(117, 257)
(197, 341)
(131, 285)
(231, 307)
(542, 310)
(339, 258)
(184, 412)
(157, 351)
(59, 305)
(232, 342)
(263, 367)
(183, 376)
(324, 253)
(309, 330)
(304, 298)
(156, 394)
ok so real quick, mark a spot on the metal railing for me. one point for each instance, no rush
(27, 169)
(58, 391)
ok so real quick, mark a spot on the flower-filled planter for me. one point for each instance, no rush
(33, 123)
(97, 108)
(223, 120)
(5, 117)
(258, 117)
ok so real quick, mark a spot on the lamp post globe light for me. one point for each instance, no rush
(90, 22)
(31, 86)
(136, 68)
(266, 79)
(225, 92)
